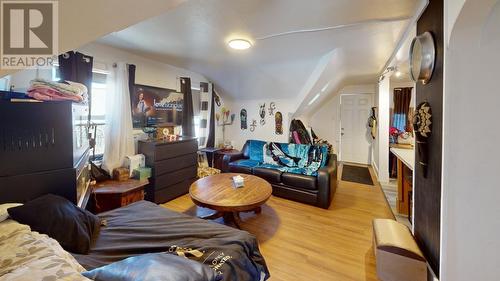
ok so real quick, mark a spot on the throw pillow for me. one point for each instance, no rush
(3, 210)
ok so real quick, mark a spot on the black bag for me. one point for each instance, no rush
(98, 174)
(298, 126)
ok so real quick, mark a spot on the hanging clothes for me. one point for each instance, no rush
(298, 133)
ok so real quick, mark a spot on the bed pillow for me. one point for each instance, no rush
(3, 210)
(74, 228)
(157, 266)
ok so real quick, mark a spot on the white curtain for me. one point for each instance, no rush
(119, 140)
(205, 111)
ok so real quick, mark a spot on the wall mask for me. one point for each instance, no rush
(422, 124)
(262, 114)
(243, 119)
(278, 119)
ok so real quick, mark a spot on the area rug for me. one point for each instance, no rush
(356, 174)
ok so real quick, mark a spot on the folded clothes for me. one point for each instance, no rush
(49, 94)
(45, 90)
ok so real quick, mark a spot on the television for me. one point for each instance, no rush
(155, 107)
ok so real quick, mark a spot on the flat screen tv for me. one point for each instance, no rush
(153, 106)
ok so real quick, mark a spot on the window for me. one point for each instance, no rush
(98, 117)
(98, 110)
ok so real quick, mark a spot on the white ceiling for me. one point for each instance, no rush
(361, 34)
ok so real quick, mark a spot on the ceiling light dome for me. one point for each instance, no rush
(239, 44)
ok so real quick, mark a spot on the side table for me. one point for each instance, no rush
(219, 155)
(112, 194)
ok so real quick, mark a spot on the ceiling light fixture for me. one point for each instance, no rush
(398, 73)
(239, 44)
(314, 99)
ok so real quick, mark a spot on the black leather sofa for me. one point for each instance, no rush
(314, 190)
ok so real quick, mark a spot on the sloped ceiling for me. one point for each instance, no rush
(290, 57)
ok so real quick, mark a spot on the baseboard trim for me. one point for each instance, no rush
(375, 169)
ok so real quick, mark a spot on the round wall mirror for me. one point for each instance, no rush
(422, 57)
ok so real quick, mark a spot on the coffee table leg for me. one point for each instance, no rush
(232, 217)
(236, 219)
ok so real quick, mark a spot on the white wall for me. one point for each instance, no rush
(375, 142)
(382, 142)
(470, 242)
(148, 72)
(20, 80)
(326, 122)
(266, 132)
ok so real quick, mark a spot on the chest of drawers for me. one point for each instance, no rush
(174, 165)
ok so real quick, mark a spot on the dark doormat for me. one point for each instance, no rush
(356, 174)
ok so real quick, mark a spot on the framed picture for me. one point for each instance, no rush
(153, 106)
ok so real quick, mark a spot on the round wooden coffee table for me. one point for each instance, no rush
(218, 193)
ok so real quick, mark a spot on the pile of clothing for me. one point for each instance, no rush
(300, 135)
(44, 90)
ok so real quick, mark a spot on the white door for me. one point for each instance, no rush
(355, 140)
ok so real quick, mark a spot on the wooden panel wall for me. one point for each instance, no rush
(428, 190)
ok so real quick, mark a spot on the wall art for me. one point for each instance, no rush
(272, 108)
(422, 123)
(243, 119)
(253, 125)
(262, 114)
(278, 119)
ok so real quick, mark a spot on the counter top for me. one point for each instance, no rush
(407, 156)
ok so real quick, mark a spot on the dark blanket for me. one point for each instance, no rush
(144, 227)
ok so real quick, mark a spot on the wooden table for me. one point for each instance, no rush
(112, 194)
(218, 193)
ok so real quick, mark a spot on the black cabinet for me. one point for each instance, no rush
(43, 147)
(174, 166)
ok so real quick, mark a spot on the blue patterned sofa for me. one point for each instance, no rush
(304, 173)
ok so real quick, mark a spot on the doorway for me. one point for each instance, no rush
(355, 139)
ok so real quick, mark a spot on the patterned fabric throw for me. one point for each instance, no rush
(28, 255)
(295, 158)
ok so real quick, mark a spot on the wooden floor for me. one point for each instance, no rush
(301, 242)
